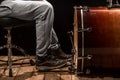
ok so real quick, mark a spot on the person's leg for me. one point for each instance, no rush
(55, 48)
(4, 11)
(43, 13)
(54, 41)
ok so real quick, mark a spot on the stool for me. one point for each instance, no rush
(8, 24)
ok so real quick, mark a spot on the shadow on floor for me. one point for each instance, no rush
(101, 73)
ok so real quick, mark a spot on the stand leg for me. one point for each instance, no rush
(9, 48)
(9, 52)
(24, 53)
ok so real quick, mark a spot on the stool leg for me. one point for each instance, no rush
(3, 47)
(9, 47)
(10, 62)
(20, 49)
(9, 52)
(24, 53)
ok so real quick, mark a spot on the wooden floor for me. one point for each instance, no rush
(28, 72)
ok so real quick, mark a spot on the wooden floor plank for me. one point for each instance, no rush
(24, 73)
(97, 78)
(66, 76)
(116, 79)
(28, 72)
(75, 77)
(83, 78)
(5, 68)
(52, 76)
(37, 76)
(108, 78)
(6, 75)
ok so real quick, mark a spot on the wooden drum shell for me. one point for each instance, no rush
(103, 42)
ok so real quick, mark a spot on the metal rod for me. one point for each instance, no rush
(82, 26)
(9, 52)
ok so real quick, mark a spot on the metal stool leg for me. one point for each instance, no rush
(9, 47)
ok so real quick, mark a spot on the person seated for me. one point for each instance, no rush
(48, 51)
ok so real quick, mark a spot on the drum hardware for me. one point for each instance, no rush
(85, 29)
(85, 57)
(72, 62)
(85, 8)
(109, 3)
(83, 50)
(71, 67)
(75, 45)
(113, 5)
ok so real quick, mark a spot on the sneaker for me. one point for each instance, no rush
(42, 60)
(60, 54)
(51, 64)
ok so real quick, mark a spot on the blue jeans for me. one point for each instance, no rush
(40, 11)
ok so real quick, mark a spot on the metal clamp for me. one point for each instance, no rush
(85, 29)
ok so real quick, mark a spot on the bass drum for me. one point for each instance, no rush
(103, 42)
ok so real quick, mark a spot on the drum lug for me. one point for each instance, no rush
(86, 57)
(85, 29)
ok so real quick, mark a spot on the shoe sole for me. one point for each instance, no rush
(46, 68)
